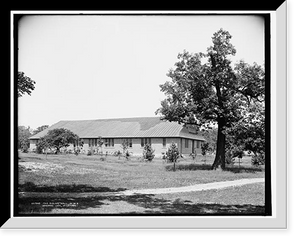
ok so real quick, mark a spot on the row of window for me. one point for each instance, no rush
(106, 142)
(110, 142)
(186, 143)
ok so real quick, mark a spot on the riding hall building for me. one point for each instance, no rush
(136, 131)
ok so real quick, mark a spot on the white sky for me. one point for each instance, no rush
(94, 67)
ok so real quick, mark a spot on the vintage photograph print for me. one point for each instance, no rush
(142, 115)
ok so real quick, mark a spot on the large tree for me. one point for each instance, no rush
(206, 89)
(58, 138)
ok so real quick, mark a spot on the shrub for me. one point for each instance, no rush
(204, 148)
(229, 158)
(258, 159)
(193, 155)
(127, 154)
(117, 153)
(148, 152)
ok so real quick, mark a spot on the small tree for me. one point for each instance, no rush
(148, 152)
(100, 143)
(127, 155)
(204, 149)
(124, 146)
(173, 154)
(193, 155)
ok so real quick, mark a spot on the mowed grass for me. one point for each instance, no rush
(114, 173)
(69, 184)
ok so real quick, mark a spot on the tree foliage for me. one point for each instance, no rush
(210, 136)
(124, 145)
(248, 134)
(148, 152)
(204, 148)
(23, 138)
(40, 129)
(57, 139)
(205, 89)
(25, 84)
(173, 154)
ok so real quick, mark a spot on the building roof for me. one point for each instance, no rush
(149, 127)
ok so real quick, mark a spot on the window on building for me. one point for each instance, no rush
(145, 141)
(198, 144)
(92, 142)
(109, 142)
(186, 143)
(164, 142)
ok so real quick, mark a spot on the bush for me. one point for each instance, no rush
(117, 153)
(127, 154)
(229, 158)
(258, 159)
(193, 155)
(148, 152)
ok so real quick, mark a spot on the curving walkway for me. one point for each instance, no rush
(193, 188)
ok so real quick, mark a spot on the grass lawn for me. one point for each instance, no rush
(81, 174)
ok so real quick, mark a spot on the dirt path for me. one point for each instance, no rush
(134, 201)
(193, 188)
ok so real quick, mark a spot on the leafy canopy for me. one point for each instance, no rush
(58, 138)
(25, 84)
(172, 153)
(23, 138)
(205, 87)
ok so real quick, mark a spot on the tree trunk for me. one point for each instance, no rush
(220, 155)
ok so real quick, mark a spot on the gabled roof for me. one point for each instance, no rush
(149, 127)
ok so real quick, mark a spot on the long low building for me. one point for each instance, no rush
(136, 131)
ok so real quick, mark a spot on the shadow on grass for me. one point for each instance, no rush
(179, 207)
(206, 167)
(150, 203)
(31, 187)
